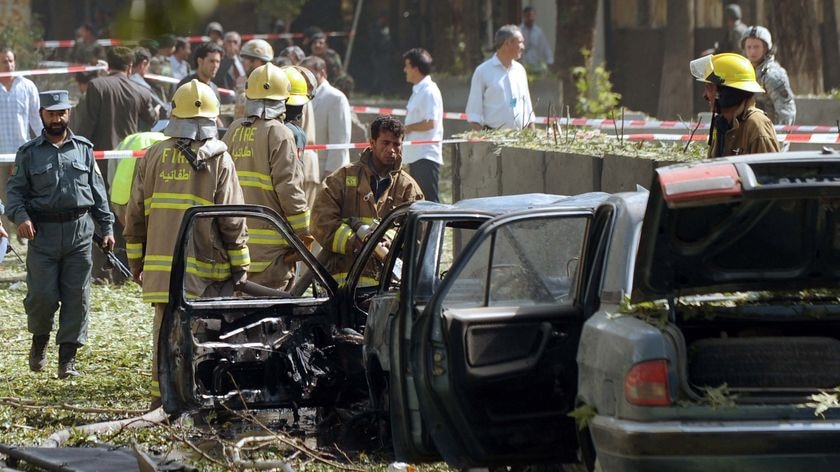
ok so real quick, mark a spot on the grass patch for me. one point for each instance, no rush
(115, 364)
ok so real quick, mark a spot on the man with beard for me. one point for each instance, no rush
(54, 191)
(362, 193)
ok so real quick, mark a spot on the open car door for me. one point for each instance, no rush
(494, 350)
(390, 291)
(259, 346)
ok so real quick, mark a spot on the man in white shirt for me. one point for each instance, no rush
(178, 60)
(424, 122)
(537, 50)
(499, 95)
(332, 118)
(19, 105)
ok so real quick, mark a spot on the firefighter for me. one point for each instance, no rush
(738, 127)
(300, 118)
(270, 173)
(189, 168)
(363, 191)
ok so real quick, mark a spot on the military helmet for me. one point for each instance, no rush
(758, 32)
(195, 99)
(268, 82)
(257, 49)
(727, 70)
(299, 93)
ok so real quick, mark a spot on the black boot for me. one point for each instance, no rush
(67, 360)
(38, 352)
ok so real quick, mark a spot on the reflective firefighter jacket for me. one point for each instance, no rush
(751, 132)
(271, 174)
(165, 186)
(348, 194)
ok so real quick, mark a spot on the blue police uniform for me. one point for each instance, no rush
(58, 189)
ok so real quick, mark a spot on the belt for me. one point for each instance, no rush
(60, 216)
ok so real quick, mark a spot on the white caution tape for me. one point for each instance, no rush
(173, 80)
(53, 70)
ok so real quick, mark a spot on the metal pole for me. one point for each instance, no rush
(356, 16)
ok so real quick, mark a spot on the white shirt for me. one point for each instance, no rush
(424, 104)
(332, 126)
(18, 114)
(180, 69)
(537, 49)
(499, 97)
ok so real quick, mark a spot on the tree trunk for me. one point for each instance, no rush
(831, 48)
(471, 28)
(575, 30)
(675, 90)
(443, 36)
(796, 37)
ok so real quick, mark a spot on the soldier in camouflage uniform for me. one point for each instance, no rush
(778, 102)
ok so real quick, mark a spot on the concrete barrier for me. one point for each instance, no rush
(485, 169)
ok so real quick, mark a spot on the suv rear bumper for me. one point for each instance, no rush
(624, 445)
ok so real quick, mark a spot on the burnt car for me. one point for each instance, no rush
(258, 347)
(312, 342)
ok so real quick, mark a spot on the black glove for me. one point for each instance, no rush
(239, 278)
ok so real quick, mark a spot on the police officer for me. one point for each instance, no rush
(738, 127)
(270, 173)
(778, 102)
(189, 168)
(363, 191)
(53, 192)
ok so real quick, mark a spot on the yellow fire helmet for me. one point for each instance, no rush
(195, 99)
(727, 69)
(299, 94)
(268, 82)
(311, 81)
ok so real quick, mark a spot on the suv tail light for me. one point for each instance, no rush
(699, 182)
(646, 384)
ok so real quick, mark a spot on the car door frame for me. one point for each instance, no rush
(173, 379)
(452, 436)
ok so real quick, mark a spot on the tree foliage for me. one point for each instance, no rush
(595, 93)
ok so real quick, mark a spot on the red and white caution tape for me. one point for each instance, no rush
(53, 70)
(173, 80)
(124, 154)
(604, 123)
(804, 138)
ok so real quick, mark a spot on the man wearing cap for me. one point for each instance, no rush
(215, 32)
(53, 193)
(255, 53)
